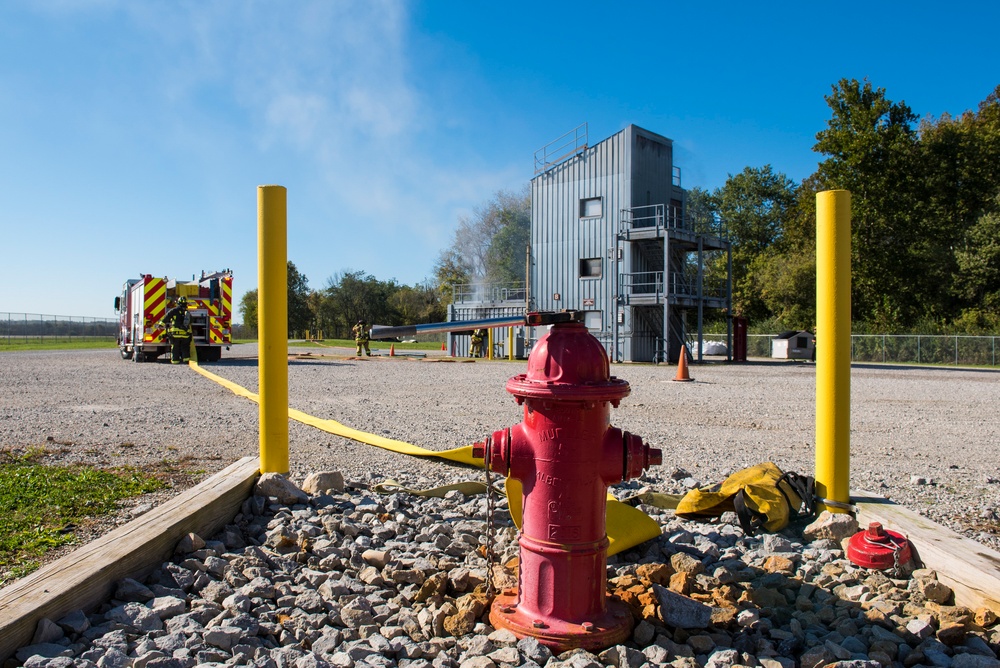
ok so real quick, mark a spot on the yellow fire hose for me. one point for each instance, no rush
(626, 526)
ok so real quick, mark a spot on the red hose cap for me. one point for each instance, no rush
(878, 548)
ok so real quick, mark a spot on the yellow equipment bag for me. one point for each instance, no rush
(761, 496)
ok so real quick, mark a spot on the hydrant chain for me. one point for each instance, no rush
(490, 529)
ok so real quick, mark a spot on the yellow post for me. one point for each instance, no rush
(833, 347)
(272, 322)
(489, 342)
(510, 344)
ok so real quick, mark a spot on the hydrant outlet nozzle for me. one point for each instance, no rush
(639, 457)
(494, 451)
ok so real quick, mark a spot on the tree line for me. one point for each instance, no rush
(925, 219)
(925, 226)
(346, 298)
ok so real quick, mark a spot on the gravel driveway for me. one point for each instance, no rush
(927, 438)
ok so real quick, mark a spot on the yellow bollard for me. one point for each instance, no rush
(489, 339)
(833, 348)
(510, 344)
(272, 319)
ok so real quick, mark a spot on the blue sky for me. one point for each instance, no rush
(134, 134)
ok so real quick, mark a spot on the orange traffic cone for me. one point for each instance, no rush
(682, 367)
(443, 346)
(392, 350)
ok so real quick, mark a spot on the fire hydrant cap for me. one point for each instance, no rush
(568, 363)
(878, 548)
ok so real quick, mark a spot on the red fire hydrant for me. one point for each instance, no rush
(565, 454)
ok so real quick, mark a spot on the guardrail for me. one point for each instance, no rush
(485, 293)
(651, 283)
(43, 327)
(660, 217)
(558, 150)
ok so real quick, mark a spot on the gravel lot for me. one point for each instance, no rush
(927, 438)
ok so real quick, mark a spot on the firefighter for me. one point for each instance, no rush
(476, 350)
(361, 338)
(178, 324)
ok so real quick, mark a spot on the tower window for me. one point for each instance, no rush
(591, 267)
(591, 207)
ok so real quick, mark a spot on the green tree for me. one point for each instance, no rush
(418, 304)
(300, 315)
(248, 308)
(315, 301)
(870, 146)
(489, 245)
(355, 295)
(787, 271)
(978, 260)
(960, 158)
(754, 206)
(788, 286)
(450, 270)
(507, 252)
(701, 209)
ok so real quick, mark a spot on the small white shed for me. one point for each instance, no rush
(794, 345)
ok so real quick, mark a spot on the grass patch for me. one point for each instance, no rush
(40, 505)
(12, 345)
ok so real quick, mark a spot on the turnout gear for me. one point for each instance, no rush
(361, 338)
(178, 324)
(476, 349)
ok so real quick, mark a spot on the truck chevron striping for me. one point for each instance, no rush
(227, 297)
(155, 298)
(215, 331)
(143, 304)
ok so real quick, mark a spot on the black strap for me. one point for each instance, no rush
(804, 487)
(751, 520)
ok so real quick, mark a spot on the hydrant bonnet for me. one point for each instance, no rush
(569, 364)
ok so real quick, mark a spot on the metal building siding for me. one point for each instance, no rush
(652, 167)
(560, 238)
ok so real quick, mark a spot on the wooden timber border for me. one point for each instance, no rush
(87, 577)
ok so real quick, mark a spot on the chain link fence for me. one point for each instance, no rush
(34, 327)
(925, 349)
(953, 349)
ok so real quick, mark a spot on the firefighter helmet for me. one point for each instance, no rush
(182, 301)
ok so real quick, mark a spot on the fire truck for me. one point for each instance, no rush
(145, 300)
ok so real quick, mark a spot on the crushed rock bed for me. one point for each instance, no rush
(351, 578)
(928, 439)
